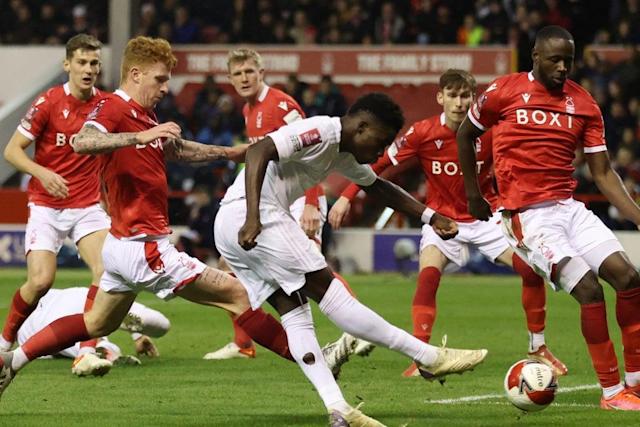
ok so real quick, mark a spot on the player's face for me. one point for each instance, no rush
(83, 68)
(455, 103)
(246, 78)
(153, 84)
(553, 61)
(370, 140)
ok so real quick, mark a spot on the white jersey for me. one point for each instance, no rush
(308, 151)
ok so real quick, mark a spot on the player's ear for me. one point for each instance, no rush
(135, 73)
(66, 65)
(440, 97)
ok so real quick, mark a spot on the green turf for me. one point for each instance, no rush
(180, 388)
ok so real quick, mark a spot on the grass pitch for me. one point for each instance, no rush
(180, 388)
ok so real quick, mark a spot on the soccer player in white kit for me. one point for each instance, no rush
(142, 321)
(275, 261)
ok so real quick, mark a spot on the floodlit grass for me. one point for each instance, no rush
(180, 388)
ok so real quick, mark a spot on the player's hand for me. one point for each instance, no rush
(310, 220)
(248, 234)
(53, 183)
(479, 208)
(339, 212)
(168, 130)
(444, 227)
(237, 153)
(146, 347)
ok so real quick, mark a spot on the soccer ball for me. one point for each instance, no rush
(530, 385)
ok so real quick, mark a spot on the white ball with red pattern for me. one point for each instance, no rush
(530, 385)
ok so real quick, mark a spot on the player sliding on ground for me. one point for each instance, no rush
(276, 261)
(141, 321)
(538, 119)
(433, 142)
(64, 191)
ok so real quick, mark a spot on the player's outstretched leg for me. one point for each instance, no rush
(353, 317)
(533, 303)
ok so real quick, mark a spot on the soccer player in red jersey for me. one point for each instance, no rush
(137, 254)
(433, 142)
(538, 120)
(266, 110)
(64, 192)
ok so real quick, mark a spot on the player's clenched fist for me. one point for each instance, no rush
(444, 227)
(339, 212)
(168, 130)
(248, 234)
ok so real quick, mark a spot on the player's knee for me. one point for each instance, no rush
(99, 326)
(39, 284)
(626, 279)
(588, 290)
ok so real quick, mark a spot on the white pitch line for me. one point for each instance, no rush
(499, 396)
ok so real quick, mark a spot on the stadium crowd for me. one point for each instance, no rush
(216, 117)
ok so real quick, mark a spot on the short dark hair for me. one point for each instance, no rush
(456, 79)
(382, 107)
(553, 32)
(82, 41)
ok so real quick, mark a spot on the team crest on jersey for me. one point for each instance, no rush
(438, 143)
(310, 137)
(481, 100)
(28, 118)
(92, 115)
(569, 106)
(283, 105)
(259, 120)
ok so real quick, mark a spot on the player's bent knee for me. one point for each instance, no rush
(38, 286)
(588, 290)
(626, 280)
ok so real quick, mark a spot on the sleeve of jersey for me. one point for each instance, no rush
(399, 151)
(36, 118)
(485, 111)
(293, 114)
(105, 116)
(292, 140)
(594, 141)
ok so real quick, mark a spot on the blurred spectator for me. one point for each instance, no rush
(185, 29)
(198, 240)
(214, 133)
(294, 87)
(302, 32)
(470, 33)
(389, 27)
(329, 100)
(444, 29)
(308, 103)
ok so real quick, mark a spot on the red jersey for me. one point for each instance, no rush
(535, 135)
(272, 110)
(54, 119)
(135, 176)
(435, 146)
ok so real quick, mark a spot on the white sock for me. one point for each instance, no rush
(358, 320)
(154, 323)
(609, 392)
(19, 359)
(303, 344)
(632, 379)
(536, 340)
(4, 344)
(86, 350)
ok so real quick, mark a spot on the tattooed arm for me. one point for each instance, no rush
(191, 151)
(91, 140)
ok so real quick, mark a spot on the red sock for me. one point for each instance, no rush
(423, 310)
(345, 283)
(628, 315)
(88, 303)
(533, 295)
(18, 312)
(266, 331)
(593, 318)
(240, 337)
(56, 336)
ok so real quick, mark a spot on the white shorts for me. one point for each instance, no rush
(485, 236)
(155, 266)
(48, 227)
(545, 234)
(298, 206)
(282, 257)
